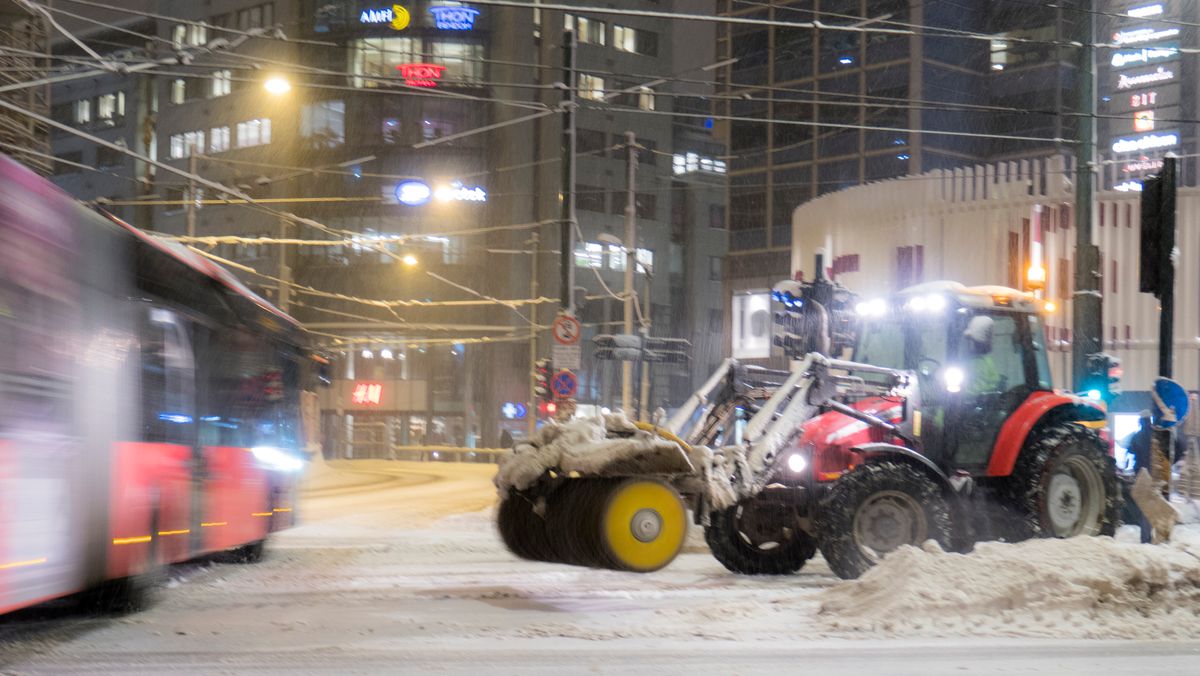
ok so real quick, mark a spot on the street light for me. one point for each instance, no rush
(277, 85)
(409, 260)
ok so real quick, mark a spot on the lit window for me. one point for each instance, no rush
(178, 91)
(83, 111)
(110, 107)
(616, 257)
(687, 163)
(591, 87)
(645, 259)
(999, 54)
(218, 139)
(587, 31)
(324, 123)
(222, 83)
(178, 36)
(187, 143)
(624, 38)
(645, 98)
(590, 255)
(254, 133)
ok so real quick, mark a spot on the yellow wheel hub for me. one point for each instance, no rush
(644, 524)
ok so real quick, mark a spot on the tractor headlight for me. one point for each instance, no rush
(953, 377)
(796, 463)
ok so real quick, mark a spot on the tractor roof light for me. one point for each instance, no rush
(933, 302)
(875, 307)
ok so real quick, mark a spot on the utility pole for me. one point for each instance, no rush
(630, 261)
(531, 411)
(191, 193)
(285, 271)
(567, 225)
(644, 388)
(1087, 319)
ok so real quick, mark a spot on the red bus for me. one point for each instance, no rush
(149, 403)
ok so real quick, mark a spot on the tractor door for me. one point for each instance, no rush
(998, 353)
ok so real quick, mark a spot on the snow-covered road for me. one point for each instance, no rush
(397, 570)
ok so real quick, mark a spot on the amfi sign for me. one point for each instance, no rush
(396, 16)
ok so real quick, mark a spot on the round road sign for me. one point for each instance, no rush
(567, 330)
(564, 384)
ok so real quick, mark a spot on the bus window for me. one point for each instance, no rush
(167, 378)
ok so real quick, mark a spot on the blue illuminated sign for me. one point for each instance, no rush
(454, 18)
(513, 410)
(413, 193)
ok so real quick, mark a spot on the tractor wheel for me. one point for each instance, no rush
(875, 509)
(635, 524)
(1064, 484)
(523, 531)
(757, 538)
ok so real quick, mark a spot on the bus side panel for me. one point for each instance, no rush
(236, 499)
(150, 506)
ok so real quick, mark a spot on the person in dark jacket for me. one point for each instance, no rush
(1138, 444)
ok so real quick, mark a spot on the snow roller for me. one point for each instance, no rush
(609, 492)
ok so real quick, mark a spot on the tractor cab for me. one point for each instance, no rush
(978, 352)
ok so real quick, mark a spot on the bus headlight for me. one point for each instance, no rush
(277, 459)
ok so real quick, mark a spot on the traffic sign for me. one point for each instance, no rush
(567, 330)
(1170, 403)
(564, 384)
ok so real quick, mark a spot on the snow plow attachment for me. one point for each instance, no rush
(612, 493)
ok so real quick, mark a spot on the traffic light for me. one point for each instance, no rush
(1103, 380)
(541, 377)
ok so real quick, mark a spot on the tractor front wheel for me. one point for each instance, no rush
(1064, 484)
(875, 509)
(755, 537)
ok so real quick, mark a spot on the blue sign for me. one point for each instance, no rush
(564, 384)
(413, 193)
(454, 18)
(513, 410)
(1170, 403)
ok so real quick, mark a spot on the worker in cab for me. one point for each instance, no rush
(983, 376)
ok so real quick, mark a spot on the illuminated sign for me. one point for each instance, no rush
(417, 193)
(421, 74)
(1145, 11)
(454, 18)
(1160, 74)
(1133, 57)
(513, 410)
(1145, 142)
(1128, 186)
(395, 16)
(1143, 120)
(1141, 165)
(1143, 35)
(367, 394)
(413, 193)
(457, 192)
(1142, 100)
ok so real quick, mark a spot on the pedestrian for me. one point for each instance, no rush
(1138, 444)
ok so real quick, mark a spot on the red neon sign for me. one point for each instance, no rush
(367, 393)
(421, 74)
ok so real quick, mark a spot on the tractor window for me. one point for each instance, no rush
(1038, 334)
(995, 364)
(880, 344)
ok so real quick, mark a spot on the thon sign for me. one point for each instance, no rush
(421, 74)
(454, 18)
(395, 16)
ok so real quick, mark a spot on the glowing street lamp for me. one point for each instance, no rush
(277, 85)
(409, 260)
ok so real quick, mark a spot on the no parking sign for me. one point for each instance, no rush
(564, 384)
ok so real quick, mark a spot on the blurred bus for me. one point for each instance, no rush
(149, 404)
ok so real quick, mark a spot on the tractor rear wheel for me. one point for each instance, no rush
(755, 537)
(875, 509)
(1064, 484)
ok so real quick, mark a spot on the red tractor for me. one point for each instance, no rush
(943, 425)
(963, 437)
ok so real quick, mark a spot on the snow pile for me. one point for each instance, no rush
(590, 446)
(1084, 587)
